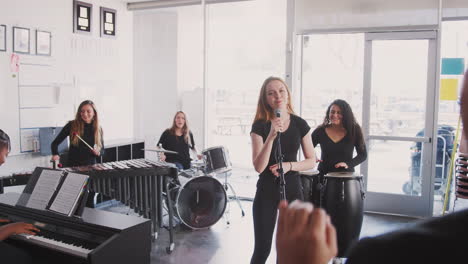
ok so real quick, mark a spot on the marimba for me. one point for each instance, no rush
(136, 183)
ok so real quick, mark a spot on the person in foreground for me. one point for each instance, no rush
(437, 240)
(294, 133)
(8, 253)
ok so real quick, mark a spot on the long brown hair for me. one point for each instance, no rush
(77, 125)
(264, 110)
(185, 128)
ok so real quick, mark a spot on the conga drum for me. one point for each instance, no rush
(343, 199)
(461, 183)
(311, 186)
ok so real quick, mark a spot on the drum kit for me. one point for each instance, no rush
(342, 195)
(199, 199)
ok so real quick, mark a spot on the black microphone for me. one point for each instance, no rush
(278, 115)
(278, 112)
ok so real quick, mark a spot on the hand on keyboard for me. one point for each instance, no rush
(21, 228)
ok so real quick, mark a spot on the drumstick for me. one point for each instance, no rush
(76, 134)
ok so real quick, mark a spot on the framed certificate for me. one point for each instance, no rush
(108, 20)
(82, 14)
(2, 38)
(21, 40)
(43, 43)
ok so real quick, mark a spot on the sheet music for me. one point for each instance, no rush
(68, 195)
(44, 189)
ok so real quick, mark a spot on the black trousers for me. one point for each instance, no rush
(265, 209)
(12, 255)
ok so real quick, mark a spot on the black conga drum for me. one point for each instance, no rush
(343, 199)
(311, 186)
(461, 184)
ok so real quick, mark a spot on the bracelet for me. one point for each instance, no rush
(290, 166)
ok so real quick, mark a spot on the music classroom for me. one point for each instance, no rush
(168, 131)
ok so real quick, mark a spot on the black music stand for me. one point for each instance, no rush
(29, 188)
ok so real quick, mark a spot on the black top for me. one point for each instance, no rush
(341, 151)
(437, 240)
(290, 139)
(177, 144)
(81, 154)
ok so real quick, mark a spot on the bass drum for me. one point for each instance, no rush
(200, 201)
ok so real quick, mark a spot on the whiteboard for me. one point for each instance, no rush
(42, 102)
(37, 117)
(9, 105)
(36, 74)
(38, 96)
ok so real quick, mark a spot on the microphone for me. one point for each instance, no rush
(278, 115)
(278, 112)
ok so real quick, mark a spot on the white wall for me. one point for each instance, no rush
(155, 71)
(87, 66)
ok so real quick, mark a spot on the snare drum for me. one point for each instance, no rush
(217, 160)
(311, 186)
(343, 199)
(199, 202)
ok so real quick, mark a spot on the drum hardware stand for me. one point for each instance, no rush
(170, 212)
(227, 185)
(279, 159)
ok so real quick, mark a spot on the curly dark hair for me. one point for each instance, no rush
(353, 129)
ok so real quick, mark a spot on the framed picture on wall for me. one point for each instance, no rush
(43, 43)
(2, 38)
(108, 22)
(21, 40)
(82, 13)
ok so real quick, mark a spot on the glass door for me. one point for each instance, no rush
(398, 121)
(332, 68)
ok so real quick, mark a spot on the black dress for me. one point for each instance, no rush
(341, 151)
(177, 144)
(267, 196)
(81, 154)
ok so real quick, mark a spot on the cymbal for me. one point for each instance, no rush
(161, 150)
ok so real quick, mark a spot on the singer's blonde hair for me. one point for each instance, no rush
(264, 110)
(77, 126)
